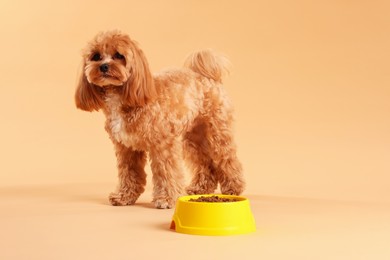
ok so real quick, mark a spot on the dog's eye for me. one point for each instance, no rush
(119, 56)
(96, 57)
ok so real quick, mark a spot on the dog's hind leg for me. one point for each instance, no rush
(222, 150)
(196, 153)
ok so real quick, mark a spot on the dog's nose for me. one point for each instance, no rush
(104, 67)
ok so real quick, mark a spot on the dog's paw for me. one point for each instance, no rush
(164, 203)
(194, 190)
(232, 189)
(121, 199)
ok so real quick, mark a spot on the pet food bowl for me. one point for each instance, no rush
(213, 218)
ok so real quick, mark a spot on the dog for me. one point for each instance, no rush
(171, 116)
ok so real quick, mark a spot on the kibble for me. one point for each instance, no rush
(213, 198)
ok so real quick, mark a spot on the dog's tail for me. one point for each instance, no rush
(208, 64)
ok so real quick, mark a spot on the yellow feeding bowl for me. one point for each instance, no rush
(231, 217)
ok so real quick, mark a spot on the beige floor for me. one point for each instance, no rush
(74, 221)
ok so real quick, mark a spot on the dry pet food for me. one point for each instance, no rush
(213, 198)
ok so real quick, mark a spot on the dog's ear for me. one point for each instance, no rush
(88, 97)
(139, 89)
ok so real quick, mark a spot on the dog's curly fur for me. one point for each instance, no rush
(175, 114)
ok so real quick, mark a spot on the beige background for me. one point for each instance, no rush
(311, 87)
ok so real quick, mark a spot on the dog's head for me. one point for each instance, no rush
(110, 60)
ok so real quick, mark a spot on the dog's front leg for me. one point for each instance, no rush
(168, 181)
(131, 174)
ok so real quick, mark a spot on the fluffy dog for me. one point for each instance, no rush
(173, 115)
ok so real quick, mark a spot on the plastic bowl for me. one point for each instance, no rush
(213, 218)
